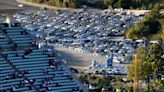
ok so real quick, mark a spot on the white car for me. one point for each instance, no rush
(20, 5)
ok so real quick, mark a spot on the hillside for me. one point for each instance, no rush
(102, 4)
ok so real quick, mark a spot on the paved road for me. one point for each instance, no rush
(12, 4)
(80, 60)
(77, 59)
(10, 7)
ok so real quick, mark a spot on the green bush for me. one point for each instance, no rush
(148, 26)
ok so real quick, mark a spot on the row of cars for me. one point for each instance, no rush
(2, 19)
(87, 31)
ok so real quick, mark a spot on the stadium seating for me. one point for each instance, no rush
(31, 70)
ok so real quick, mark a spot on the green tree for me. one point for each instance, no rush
(141, 54)
(155, 51)
(155, 12)
(120, 3)
(83, 78)
(108, 2)
(93, 76)
(155, 56)
(140, 69)
(150, 6)
(146, 27)
(143, 7)
(146, 69)
(129, 88)
(160, 84)
(147, 63)
(133, 32)
(102, 82)
(118, 85)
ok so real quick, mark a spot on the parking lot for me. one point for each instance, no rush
(87, 31)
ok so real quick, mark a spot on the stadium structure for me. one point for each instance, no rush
(26, 68)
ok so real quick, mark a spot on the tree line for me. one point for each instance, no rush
(60, 3)
(127, 4)
(150, 64)
(131, 4)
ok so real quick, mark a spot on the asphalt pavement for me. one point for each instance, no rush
(77, 59)
(12, 4)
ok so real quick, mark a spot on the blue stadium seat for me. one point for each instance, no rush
(35, 62)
